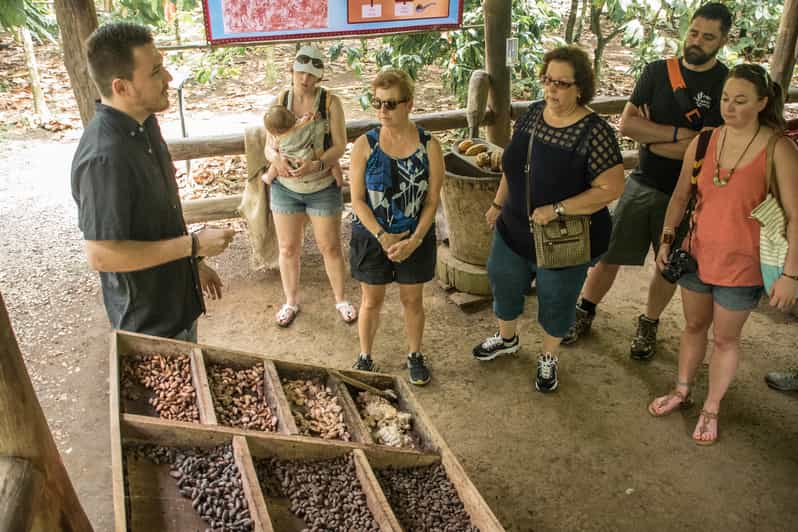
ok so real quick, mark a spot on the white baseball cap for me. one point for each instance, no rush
(309, 59)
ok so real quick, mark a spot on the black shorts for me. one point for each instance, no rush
(370, 265)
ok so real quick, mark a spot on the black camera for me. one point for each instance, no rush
(680, 262)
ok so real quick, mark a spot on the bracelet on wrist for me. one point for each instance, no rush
(379, 233)
(495, 205)
(667, 238)
(788, 276)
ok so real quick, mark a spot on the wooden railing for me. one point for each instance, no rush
(213, 146)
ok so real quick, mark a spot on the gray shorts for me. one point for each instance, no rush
(729, 297)
(637, 224)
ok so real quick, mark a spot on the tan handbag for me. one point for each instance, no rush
(563, 242)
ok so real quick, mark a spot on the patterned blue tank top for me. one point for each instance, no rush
(396, 188)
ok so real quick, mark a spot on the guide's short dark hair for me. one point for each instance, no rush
(715, 11)
(110, 52)
(583, 71)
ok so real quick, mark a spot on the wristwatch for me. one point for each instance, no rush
(559, 209)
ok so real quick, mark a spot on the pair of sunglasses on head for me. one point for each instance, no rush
(305, 59)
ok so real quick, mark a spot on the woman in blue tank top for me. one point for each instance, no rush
(395, 176)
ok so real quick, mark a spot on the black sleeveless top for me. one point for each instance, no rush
(564, 163)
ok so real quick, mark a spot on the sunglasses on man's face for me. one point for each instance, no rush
(305, 59)
(546, 80)
(390, 105)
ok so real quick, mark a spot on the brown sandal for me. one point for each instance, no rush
(684, 402)
(703, 421)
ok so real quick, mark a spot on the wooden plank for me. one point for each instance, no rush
(375, 497)
(21, 490)
(286, 447)
(277, 400)
(352, 418)
(129, 344)
(117, 464)
(199, 375)
(24, 434)
(481, 515)
(249, 481)
(226, 207)
(422, 425)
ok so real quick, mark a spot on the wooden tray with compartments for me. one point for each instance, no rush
(146, 496)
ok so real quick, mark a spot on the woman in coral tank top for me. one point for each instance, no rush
(725, 239)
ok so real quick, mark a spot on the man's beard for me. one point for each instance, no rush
(694, 55)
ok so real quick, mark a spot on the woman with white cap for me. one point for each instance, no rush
(307, 190)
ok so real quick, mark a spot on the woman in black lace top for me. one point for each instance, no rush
(577, 169)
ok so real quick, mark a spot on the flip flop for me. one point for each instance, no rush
(347, 311)
(286, 315)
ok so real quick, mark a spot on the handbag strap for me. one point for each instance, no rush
(770, 168)
(528, 165)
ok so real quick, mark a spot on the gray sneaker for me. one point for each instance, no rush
(581, 326)
(785, 381)
(644, 343)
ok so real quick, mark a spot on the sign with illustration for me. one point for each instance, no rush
(236, 21)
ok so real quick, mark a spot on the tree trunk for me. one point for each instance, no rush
(569, 26)
(601, 42)
(76, 20)
(109, 5)
(497, 30)
(782, 63)
(581, 24)
(25, 436)
(39, 104)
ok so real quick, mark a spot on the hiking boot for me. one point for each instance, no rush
(644, 343)
(581, 326)
(419, 374)
(546, 378)
(364, 363)
(496, 346)
(785, 381)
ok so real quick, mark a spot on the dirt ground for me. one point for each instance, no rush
(588, 457)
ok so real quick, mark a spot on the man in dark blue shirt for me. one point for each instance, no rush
(123, 182)
(656, 119)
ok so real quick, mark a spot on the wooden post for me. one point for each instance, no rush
(76, 20)
(497, 30)
(39, 103)
(784, 55)
(478, 89)
(25, 436)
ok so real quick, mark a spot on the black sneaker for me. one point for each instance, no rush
(364, 363)
(496, 346)
(581, 326)
(419, 374)
(546, 378)
(644, 343)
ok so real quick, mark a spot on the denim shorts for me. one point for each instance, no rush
(729, 297)
(370, 265)
(511, 274)
(325, 202)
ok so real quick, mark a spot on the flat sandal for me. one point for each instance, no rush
(686, 402)
(704, 419)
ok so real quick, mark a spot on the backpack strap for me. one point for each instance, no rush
(691, 112)
(283, 98)
(771, 182)
(324, 112)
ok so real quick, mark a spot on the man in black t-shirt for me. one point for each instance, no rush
(123, 182)
(654, 118)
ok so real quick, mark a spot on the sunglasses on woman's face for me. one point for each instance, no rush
(546, 80)
(390, 105)
(305, 59)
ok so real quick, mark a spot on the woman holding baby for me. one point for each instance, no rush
(308, 188)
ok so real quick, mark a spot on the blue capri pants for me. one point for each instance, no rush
(557, 290)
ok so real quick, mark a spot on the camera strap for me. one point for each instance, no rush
(700, 155)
